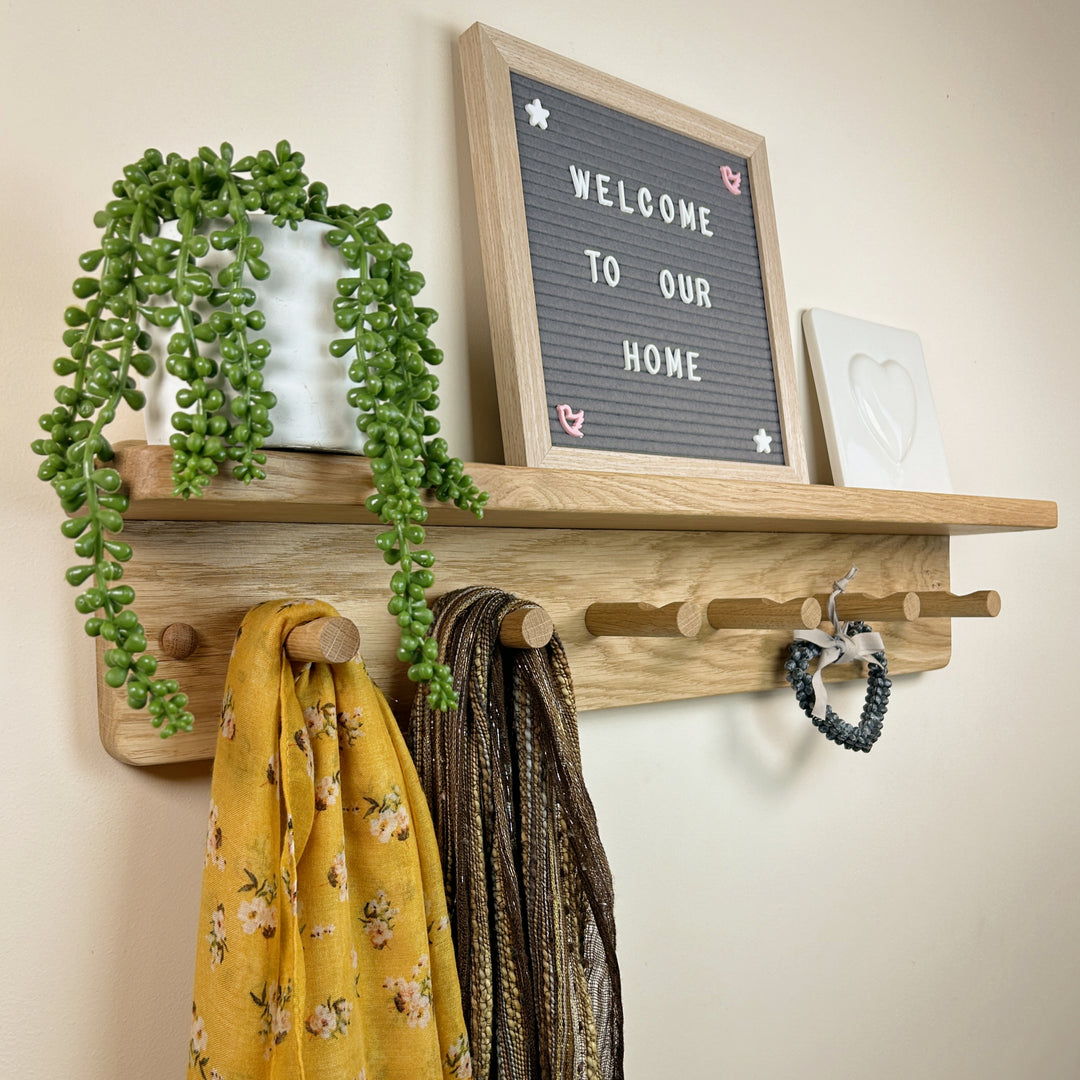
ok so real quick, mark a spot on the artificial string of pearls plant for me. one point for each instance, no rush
(146, 280)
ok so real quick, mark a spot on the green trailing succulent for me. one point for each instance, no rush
(137, 280)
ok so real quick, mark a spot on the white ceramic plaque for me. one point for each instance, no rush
(876, 405)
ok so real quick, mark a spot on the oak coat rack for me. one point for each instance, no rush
(750, 555)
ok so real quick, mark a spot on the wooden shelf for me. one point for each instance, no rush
(331, 488)
(563, 539)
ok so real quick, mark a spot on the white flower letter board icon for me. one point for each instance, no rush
(876, 405)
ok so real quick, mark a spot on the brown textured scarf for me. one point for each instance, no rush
(528, 885)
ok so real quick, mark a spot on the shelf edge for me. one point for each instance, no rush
(331, 488)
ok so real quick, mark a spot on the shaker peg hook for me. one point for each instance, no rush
(331, 640)
(328, 640)
(945, 605)
(679, 619)
(758, 613)
(896, 607)
(528, 627)
(179, 640)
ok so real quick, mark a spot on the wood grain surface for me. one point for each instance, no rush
(309, 487)
(208, 574)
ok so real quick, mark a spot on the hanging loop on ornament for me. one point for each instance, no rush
(852, 641)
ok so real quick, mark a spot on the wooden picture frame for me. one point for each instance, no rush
(494, 66)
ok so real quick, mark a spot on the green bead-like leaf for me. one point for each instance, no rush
(116, 677)
(390, 352)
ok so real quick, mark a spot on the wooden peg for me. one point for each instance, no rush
(945, 605)
(679, 619)
(179, 640)
(526, 628)
(331, 640)
(896, 607)
(757, 613)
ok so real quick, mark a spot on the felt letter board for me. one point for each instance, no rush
(633, 276)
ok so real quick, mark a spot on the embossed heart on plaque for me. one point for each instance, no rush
(885, 396)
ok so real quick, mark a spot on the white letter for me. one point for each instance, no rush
(602, 182)
(652, 364)
(686, 214)
(644, 201)
(581, 182)
(690, 367)
(629, 356)
(703, 217)
(593, 256)
(674, 361)
(667, 284)
(667, 208)
(622, 199)
(611, 270)
(686, 288)
(703, 293)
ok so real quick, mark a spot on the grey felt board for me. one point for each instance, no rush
(583, 325)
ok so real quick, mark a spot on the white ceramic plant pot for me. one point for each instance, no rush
(297, 300)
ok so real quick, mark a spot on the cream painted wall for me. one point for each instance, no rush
(785, 910)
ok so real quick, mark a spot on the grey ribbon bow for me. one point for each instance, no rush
(838, 648)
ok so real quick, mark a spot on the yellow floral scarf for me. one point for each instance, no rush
(324, 949)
